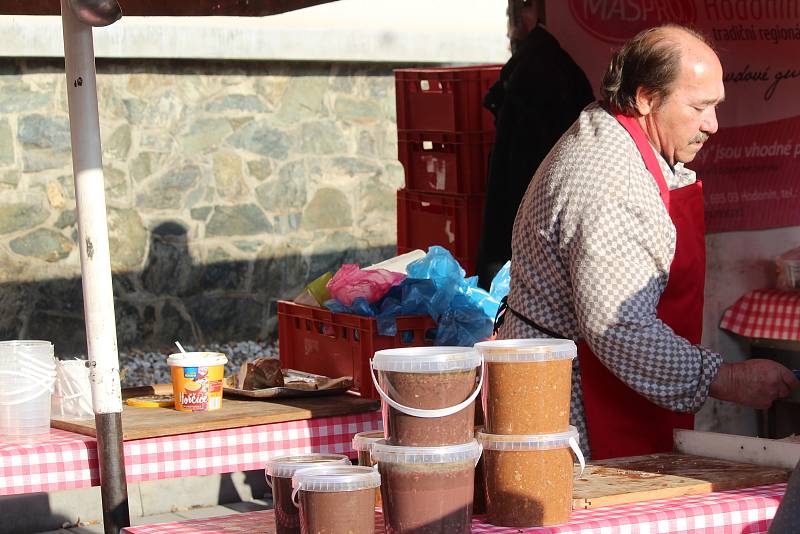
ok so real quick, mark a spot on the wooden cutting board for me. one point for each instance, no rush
(661, 476)
(138, 423)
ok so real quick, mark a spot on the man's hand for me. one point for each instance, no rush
(755, 383)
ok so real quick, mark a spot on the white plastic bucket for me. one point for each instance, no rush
(27, 375)
(428, 394)
(336, 498)
(527, 385)
(427, 489)
(528, 479)
(279, 472)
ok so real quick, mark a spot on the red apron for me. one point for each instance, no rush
(620, 421)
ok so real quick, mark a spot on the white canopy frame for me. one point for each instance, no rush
(98, 296)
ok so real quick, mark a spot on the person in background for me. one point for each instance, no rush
(540, 92)
(609, 250)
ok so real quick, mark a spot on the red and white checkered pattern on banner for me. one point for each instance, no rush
(729, 512)
(66, 461)
(766, 314)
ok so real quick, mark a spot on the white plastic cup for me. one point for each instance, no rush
(27, 375)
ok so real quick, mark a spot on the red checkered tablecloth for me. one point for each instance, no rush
(742, 511)
(66, 461)
(766, 314)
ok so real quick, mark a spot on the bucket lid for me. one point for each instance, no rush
(197, 359)
(527, 350)
(363, 440)
(540, 442)
(446, 454)
(26, 344)
(426, 359)
(285, 466)
(329, 478)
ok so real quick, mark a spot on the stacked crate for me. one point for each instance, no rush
(444, 138)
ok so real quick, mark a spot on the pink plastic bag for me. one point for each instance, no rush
(351, 282)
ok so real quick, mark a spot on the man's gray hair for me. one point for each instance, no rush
(651, 60)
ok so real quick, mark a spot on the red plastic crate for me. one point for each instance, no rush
(444, 99)
(455, 163)
(451, 221)
(319, 341)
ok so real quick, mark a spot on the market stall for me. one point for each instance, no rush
(428, 396)
(746, 510)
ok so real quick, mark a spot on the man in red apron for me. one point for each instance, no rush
(609, 249)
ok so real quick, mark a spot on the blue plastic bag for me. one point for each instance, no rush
(463, 311)
(501, 283)
(436, 286)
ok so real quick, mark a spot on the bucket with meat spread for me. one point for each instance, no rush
(528, 479)
(336, 499)
(197, 380)
(527, 385)
(279, 472)
(427, 490)
(428, 394)
(362, 444)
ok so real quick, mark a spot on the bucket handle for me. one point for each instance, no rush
(419, 412)
(46, 382)
(294, 495)
(573, 444)
(36, 363)
(25, 399)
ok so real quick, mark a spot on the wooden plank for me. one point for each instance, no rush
(605, 486)
(661, 476)
(759, 451)
(138, 423)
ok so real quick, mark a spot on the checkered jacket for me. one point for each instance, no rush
(592, 246)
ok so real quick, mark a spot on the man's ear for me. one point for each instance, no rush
(645, 101)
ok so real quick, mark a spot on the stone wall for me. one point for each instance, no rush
(229, 185)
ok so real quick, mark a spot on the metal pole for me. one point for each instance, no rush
(98, 298)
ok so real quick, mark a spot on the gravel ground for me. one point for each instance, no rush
(141, 368)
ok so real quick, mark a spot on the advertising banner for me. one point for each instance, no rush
(751, 168)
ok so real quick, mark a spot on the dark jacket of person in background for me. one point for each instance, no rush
(539, 95)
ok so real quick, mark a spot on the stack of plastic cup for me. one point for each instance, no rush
(27, 375)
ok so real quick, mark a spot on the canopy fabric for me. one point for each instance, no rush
(177, 8)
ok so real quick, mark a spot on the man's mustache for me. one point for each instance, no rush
(700, 138)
